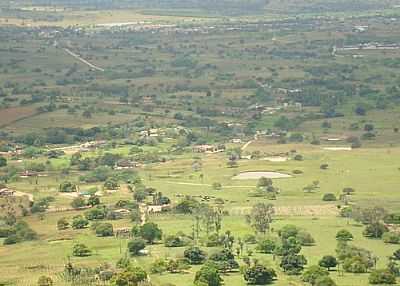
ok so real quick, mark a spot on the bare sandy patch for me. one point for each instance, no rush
(344, 148)
(258, 175)
(275, 159)
(311, 210)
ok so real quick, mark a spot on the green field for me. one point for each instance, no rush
(122, 102)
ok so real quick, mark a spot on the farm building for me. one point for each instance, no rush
(158, 208)
(5, 192)
(125, 164)
(207, 149)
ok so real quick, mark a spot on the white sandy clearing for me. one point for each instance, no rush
(337, 148)
(69, 195)
(275, 159)
(258, 175)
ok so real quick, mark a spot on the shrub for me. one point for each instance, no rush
(329, 197)
(344, 235)
(266, 245)
(20, 232)
(396, 254)
(355, 265)
(298, 157)
(324, 281)
(288, 230)
(78, 202)
(104, 229)
(12, 239)
(81, 250)
(3, 161)
(79, 222)
(314, 272)
(159, 266)
(375, 230)
(95, 213)
(67, 187)
(208, 275)
(136, 245)
(382, 276)
(62, 224)
(195, 255)
(391, 237)
(259, 275)
(368, 136)
(6, 231)
(45, 281)
(174, 241)
(293, 264)
(393, 218)
(150, 232)
(348, 191)
(130, 276)
(324, 166)
(111, 184)
(187, 206)
(224, 260)
(305, 238)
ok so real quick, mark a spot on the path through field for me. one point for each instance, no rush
(246, 145)
(83, 60)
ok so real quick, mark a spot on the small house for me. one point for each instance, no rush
(5, 192)
(158, 208)
(206, 149)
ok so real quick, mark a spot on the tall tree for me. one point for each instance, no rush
(260, 217)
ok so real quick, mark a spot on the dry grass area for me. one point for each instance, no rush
(89, 18)
(312, 210)
(10, 115)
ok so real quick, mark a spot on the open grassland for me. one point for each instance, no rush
(372, 172)
(81, 18)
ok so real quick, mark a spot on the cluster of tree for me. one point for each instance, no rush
(354, 259)
(15, 232)
(124, 274)
(160, 266)
(41, 205)
(265, 188)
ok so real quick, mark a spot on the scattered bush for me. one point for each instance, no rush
(344, 235)
(329, 197)
(391, 237)
(195, 255)
(136, 245)
(314, 272)
(62, 224)
(258, 274)
(266, 245)
(382, 276)
(81, 250)
(45, 281)
(104, 229)
(79, 222)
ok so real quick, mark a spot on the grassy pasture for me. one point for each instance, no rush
(372, 172)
